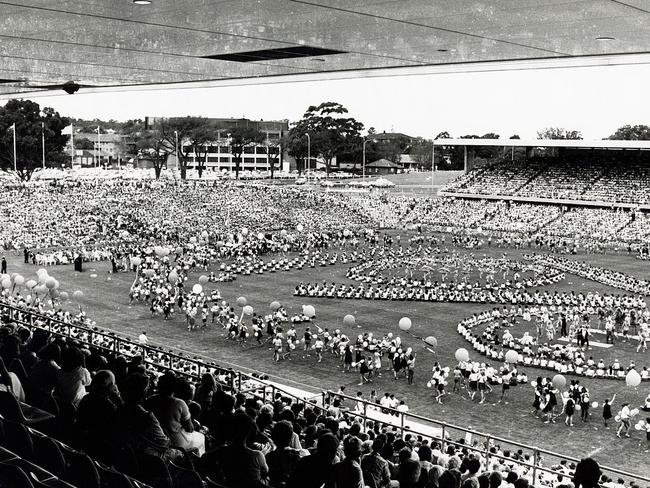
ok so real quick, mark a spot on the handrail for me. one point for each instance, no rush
(236, 380)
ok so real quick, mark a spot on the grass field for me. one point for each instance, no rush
(106, 301)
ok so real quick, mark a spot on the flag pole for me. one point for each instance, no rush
(14, 131)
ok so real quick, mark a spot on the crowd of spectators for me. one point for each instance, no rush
(602, 181)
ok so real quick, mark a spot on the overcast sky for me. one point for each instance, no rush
(595, 101)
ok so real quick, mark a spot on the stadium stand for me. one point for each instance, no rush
(259, 434)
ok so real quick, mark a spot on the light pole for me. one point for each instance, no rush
(176, 136)
(308, 152)
(99, 150)
(13, 129)
(43, 141)
(433, 161)
(363, 164)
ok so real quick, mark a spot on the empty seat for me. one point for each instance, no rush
(80, 469)
(48, 455)
(112, 479)
(13, 477)
(154, 471)
(12, 409)
(184, 478)
(18, 440)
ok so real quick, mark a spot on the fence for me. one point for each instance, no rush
(158, 359)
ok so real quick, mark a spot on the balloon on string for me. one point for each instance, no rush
(283, 232)
(19, 280)
(346, 233)
(173, 277)
(204, 234)
(533, 384)
(160, 252)
(149, 272)
(77, 294)
(136, 261)
(179, 250)
(241, 302)
(578, 407)
(559, 381)
(50, 283)
(275, 305)
(633, 378)
(31, 283)
(42, 278)
(203, 279)
(260, 236)
(349, 320)
(64, 295)
(6, 283)
(244, 231)
(54, 293)
(197, 288)
(405, 324)
(248, 310)
(512, 356)
(41, 271)
(192, 240)
(431, 341)
(594, 404)
(309, 310)
(299, 227)
(461, 355)
(634, 412)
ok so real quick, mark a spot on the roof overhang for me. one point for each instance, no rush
(567, 143)
(119, 45)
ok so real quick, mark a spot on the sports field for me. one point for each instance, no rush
(106, 301)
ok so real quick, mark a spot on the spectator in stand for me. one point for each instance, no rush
(10, 382)
(347, 473)
(138, 427)
(174, 416)
(283, 460)
(408, 471)
(97, 410)
(316, 470)
(73, 377)
(587, 474)
(242, 466)
(42, 376)
(376, 471)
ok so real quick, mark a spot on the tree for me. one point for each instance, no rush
(297, 147)
(421, 150)
(83, 143)
(331, 133)
(631, 133)
(559, 133)
(241, 137)
(31, 125)
(515, 136)
(154, 146)
(273, 152)
(193, 135)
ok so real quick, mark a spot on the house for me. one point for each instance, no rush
(382, 167)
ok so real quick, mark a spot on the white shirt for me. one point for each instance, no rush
(142, 339)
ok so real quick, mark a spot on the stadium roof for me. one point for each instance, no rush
(119, 44)
(569, 143)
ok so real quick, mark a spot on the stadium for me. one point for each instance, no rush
(478, 319)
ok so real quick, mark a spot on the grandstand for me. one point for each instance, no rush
(45, 440)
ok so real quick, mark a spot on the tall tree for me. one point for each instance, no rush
(152, 145)
(559, 133)
(631, 133)
(297, 147)
(240, 138)
(421, 151)
(331, 132)
(32, 125)
(193, 133)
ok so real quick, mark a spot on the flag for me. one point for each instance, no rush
(67, 130)
(12, 127)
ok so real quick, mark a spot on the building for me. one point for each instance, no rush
(254, 158)
(111, 149)
(382, 167)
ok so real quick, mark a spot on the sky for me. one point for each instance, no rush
(593, 100)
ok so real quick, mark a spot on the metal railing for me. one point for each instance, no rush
(158, 359)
